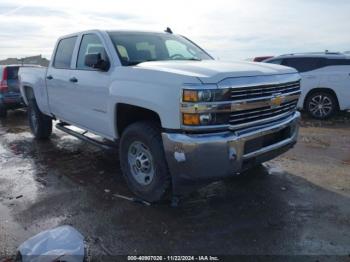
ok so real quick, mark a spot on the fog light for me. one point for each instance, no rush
(205, 119)
(190, 119)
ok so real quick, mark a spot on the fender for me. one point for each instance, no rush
(138, 88)
(38, 85)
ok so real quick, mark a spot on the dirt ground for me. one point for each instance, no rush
(298, 203)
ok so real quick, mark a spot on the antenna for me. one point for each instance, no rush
(168, 30)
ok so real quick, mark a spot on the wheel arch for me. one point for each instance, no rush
(28, 93)
(126, 114)
(321, 89)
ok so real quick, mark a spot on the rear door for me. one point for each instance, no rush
(337, 78)
(60, 89)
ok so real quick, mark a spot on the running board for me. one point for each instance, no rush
(82, 136)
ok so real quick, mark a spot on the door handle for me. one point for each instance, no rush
(49, 77)
(73, 79)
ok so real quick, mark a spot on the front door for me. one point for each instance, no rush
(92, 88)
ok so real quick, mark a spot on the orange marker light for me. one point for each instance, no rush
(190, 96)
(190, 119)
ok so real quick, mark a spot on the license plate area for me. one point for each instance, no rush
(266, 140)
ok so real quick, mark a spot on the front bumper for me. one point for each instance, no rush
(212, 156)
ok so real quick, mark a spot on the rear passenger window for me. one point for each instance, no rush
(304, 64)
(64, 52)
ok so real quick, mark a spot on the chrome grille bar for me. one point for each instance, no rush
(264, 109)
(261, 114)
(262, 91)
(294, 84)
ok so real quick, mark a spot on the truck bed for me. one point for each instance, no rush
(34, 77)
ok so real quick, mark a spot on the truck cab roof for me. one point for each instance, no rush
(114, 31)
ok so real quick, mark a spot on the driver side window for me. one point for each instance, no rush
(90, 44)
(176, 48)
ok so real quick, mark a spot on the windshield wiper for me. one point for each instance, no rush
(132, 63)
(187, 59)
(194, 59)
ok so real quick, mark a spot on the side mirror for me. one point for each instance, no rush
(95, 61)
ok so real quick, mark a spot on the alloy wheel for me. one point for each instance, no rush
(321, 106)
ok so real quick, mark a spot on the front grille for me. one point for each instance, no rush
(245, 103)
(243, 93)
(261, 113)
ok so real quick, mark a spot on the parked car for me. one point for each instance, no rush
(325, 81)
(10, 96)
(178, 116)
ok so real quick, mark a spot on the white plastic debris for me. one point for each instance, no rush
(180, 156)
(63, 243)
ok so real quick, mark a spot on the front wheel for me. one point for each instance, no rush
(321, 105)
(143, 162)
(40, 124)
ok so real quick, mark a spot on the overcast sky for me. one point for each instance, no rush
(228, 29)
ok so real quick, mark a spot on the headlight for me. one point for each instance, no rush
(206, 95)
(199, 107)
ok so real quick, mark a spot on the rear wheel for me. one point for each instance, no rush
(321, 105)
(40, 124)
(3, 112)
(143, 161)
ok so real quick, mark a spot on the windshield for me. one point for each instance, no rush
(134, 48)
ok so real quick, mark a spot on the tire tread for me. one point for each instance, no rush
(161, 189)
(44, 122)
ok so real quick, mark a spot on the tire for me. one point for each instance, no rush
(40, 124)
(321, 105)
(143, 162)
(3, 112)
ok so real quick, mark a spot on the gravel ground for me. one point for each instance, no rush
(297, 204)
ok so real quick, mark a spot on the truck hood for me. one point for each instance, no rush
(212, 71)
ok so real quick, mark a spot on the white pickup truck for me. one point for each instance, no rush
(179, 116)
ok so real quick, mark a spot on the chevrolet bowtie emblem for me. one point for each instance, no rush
(277, 100)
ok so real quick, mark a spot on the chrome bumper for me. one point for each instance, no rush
(217, 155)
